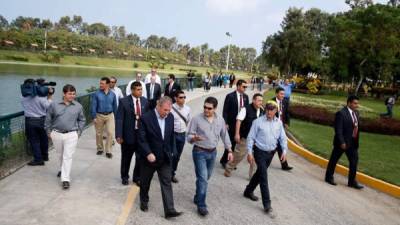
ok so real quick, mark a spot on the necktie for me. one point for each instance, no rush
(151, 91)
(138, 111)
(170, 88)
(355, 125)
(241, 100)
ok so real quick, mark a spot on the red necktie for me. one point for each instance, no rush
(138, 112)
(355, 125)
(241, 100)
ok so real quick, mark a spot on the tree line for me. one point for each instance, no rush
(353, 46)
(73, 35)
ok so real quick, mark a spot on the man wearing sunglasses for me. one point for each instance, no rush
(204, 132)
(265, 133)
(233, 103)
(182, 118)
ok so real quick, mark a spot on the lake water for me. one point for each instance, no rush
(12, 76)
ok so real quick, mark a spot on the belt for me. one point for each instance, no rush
(182, 133)
(105, 113)
(268, 152)
(64, 131)
(204, 149)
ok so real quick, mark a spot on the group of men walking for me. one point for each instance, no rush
(156, 129)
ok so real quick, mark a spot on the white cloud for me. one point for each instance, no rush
(232, 6)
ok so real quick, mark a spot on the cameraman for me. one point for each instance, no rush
(35, 109)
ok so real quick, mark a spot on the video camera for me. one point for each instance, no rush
(38, 87)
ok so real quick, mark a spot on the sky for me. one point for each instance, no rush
(190, 21)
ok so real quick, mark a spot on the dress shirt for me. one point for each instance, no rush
(266, 134)
(161, 123)
(103, 103)
(180, 125)
(35, 106)
(63, 117)
(211, 132)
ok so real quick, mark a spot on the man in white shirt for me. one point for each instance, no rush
(138, 78)
(153, 73)
(182, 118)
(114, 88)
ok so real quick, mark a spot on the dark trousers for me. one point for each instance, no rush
(127, 151)
(37, 137)
(152, 104)
(280, 152)
(224, 158)
(263, 160)
(180, 139)
(164, 176)
(352, 156)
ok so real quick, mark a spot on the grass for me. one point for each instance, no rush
(143, 66)
(379, 155)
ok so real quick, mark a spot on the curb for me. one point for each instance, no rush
(377, 184)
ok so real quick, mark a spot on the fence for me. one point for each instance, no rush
(15, 151)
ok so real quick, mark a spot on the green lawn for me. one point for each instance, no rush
(379, 155)
(111, 63)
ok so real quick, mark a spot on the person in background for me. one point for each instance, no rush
(103, 109)
(114, 88)
(232, 79)
(190, 79)
(265, 133)
(138, 78)
(220, 79)
(64, 124)
(153, 73)
(206, 81)
(244, 121)
(225, 80)
(260, 83)
(171, 87)
(153, 90)
(204, 148)
(156, 144)
(288, 87)
(346, 140)
(389, 102)
(182, 117)
(35, 109)
(127, 124)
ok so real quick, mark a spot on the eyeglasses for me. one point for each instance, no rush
(244, 87)
(208, 108)
(113, 82)
(182, 97)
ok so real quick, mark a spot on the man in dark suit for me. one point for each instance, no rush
(233, 103)
(231, 80)
(153, 91)
(171, 87)
(127, 125)
(156, 141)
(282, 114)
(346, 140)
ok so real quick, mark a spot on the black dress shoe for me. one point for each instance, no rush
(173, 214)
(59, 174)
(65, 185)
(250, 196)
(144, 206)
(202, 211)
(356, 186)
(174, 180)
(330, 181)
(287, 168)
(137, 182)
(125, 181)
(34, 163)
(109, 155)
(99, 153)
(45, 158)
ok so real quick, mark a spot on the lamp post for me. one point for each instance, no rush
(229, 48)
(45, 40)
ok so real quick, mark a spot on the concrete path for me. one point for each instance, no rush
(33, 195)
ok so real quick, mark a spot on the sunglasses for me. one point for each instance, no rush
(182, 97)
(208, 108)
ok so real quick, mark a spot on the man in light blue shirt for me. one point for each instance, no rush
(288, 87)
(264, 135)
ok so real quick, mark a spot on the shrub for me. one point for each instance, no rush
(17, 58)
(135, 65)
(52, 57)
(324, 117)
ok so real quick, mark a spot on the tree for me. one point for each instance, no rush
(46, 24)
(355, 4)
(64, 23)
(3, 23)
(76, 23)
(394, 3)
(99, 29)
(133, 39)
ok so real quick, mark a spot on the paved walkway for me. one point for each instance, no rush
(33, 194)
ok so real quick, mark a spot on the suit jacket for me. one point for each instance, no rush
(175, 87)
(285, 112)
(151, 141)
(157, 91)
(344, 129)
(231, 109)
(125, 119)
